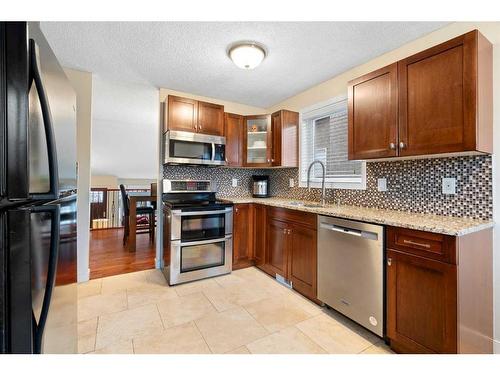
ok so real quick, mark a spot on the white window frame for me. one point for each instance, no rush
(332, 182)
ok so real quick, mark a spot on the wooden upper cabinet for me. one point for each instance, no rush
(210, 118)
(189, 115)
(182, 114)
(373, 114)
(285, 139)
(276, 126)
(437, 101)
(257, 141)
(234, 139)
(445, 98)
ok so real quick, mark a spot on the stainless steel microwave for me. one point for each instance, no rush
(194, 148)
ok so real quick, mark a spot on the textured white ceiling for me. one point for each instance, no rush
(124, 129)
(191, 56)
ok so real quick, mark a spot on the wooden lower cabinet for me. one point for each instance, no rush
(259, 225)
(439, 292)
(291, 250)
(279, 242)
(242, 236)
(277, 247)
(421, 304)
(302, 262)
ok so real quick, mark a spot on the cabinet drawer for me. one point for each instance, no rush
(305, 218)
(428, 245)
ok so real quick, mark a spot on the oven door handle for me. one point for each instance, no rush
(196, 213)
(205, 242)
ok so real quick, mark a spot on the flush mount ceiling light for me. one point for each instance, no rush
(246, 55)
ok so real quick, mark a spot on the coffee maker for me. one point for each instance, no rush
(260, 186)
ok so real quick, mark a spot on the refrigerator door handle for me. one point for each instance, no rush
(36, 76)
(39, 327)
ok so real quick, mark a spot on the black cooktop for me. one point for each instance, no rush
(194, 201)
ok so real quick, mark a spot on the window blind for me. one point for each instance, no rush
(324, 137)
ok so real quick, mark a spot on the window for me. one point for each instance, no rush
(96, 196)
(323, 136)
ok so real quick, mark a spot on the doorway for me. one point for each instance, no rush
(110, 253)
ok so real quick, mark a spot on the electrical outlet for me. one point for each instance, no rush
(292, 182)
(382, 184)
(449, 185)
(235, 182)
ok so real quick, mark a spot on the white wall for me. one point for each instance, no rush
(124, 129)
(82, 84)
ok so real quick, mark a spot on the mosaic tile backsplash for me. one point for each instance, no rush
(413, 185)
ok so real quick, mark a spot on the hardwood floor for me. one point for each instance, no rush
(109, 257)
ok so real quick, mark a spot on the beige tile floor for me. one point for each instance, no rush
(241, 313)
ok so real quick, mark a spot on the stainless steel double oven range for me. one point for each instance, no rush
(198, 240)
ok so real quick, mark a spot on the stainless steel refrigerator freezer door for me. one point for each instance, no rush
(62, 103)
(60, 331)
(14, 69)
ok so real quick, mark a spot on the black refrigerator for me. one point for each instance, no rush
(38, 174)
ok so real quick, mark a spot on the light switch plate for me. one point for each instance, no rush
(449, 185)
(234, 182)
(382, 184)
(292, 182)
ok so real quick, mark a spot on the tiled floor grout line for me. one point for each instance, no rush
(161, 319)
(203, 337)
(211, 303)
(311, 338)
(365, 349)
(96, 330)
(259, 323)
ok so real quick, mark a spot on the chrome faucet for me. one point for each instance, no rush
(323, 190)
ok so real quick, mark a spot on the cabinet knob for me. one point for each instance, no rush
(389, 261)
(272, 160)
(289, 231)
(402, 145)
(236, 209)
(199, 126)
(392, 146)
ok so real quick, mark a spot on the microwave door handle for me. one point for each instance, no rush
(51, 273)
(213, 151)
(36, 76)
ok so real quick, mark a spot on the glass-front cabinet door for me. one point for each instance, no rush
(258, 141)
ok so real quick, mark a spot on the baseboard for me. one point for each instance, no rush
(496, 346)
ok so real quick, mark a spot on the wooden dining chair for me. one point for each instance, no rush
(140, 211)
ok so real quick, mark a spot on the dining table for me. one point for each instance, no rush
(134, 198)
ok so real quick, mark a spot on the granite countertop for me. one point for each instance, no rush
(454, 226)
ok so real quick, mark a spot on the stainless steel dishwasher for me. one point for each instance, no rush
(350, 270)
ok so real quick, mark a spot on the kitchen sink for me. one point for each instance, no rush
(313, 205)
